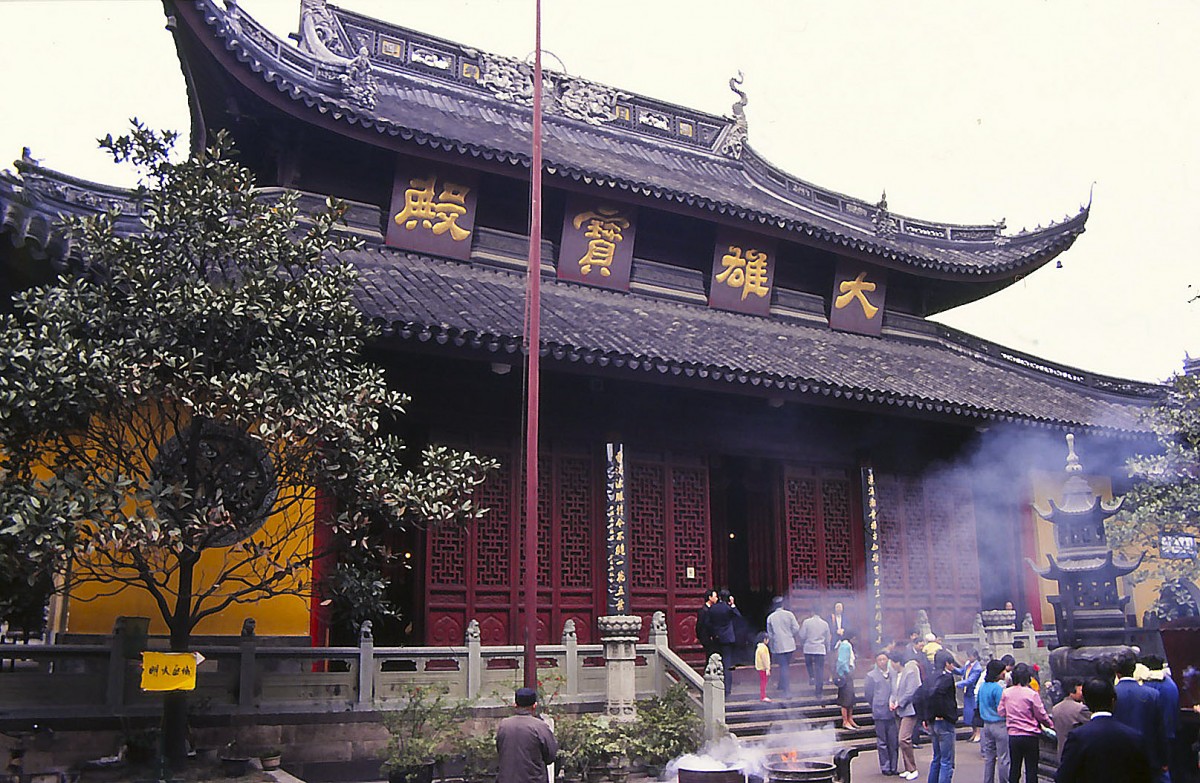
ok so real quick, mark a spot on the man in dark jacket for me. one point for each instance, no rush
(878, 691)
(1103, 749)
(1168, 704)
(940, 715)
(1137, 707)
(720, 619)
(525, 743)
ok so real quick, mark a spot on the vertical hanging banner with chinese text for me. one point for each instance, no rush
(743, 272)
(617, 518)
(433, 209)
(597, 243)
(858, 296)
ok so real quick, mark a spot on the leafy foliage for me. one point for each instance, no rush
(666, 728)
(427, 729)
(587, 743)
(1166, 497)
(188, 390)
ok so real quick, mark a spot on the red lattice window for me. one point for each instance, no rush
(447, 556)
(647, 513)
(803, 540)
(839, 538)
(493, 533)
(690, 525)
(575, 506)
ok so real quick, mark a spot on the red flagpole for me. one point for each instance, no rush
(533, 344)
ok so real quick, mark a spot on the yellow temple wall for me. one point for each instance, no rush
(1046, 485)
(89, 610)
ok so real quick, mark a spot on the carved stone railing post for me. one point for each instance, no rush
(658, 638)
(115, 687)
(620, 634)
(999, 626)
(247, 670)
(570, 658)
(981, 640)
(473, 641)
(366, 665)
(714, 697)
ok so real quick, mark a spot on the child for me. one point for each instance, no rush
(762, 662)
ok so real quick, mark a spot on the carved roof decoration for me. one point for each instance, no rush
(374, 76)
(661, 330)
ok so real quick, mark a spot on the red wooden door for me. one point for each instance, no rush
(820, 527)
(671, 550)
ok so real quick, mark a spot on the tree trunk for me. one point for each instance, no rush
(175, 703)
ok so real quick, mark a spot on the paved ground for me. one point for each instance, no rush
(968, 766)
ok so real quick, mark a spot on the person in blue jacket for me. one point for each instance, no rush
(970, 672)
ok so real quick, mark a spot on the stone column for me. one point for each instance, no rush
(999, 626)
(660, 639)
(620, 634)
(472, 639)
(570, 642)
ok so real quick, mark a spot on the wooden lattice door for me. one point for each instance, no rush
(671, 550)
(476, 573)
(820, 526)
(928, 554)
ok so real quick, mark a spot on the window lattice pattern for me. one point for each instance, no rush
(839, 555)
(647, 512)
(800, 517)
(493, 536)
(575, 505)
(690, 496)
(448, 552)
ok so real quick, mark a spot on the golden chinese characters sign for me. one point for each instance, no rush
(743, 272)
(858, 297)
(433, 210)
(597, 243)
(169, 671)
(617, 532)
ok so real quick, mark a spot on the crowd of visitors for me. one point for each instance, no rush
(1120, 727)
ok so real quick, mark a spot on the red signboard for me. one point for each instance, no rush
(859, 293)
(433, 209)
(597, 243)
(743, 272)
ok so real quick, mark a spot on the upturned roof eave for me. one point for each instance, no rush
(1053, 239)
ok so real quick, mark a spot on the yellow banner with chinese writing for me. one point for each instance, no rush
(168, 671)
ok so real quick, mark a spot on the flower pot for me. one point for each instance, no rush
(416, 773)
(234, 766)
(271, 761)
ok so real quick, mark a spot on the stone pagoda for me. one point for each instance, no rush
(1088, 611)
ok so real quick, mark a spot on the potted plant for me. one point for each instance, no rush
(479, 756)
(666, 728)
(234, 761)
(591, 749)
(422, 733)
(270, 758)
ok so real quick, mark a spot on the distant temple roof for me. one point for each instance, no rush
(661, 330)
(383, 83)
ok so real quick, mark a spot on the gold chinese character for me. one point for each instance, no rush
(858, 288)
(748, 274)
(619, 550)
(620, 576)
(604, 227)
(439, 216)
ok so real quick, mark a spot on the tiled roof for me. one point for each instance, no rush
(916, 364)
(423, 299)
(417, 90)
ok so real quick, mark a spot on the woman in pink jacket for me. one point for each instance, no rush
(1024, 715)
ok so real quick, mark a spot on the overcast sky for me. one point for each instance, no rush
(963, 111)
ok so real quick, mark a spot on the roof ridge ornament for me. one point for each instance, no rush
(319, 32)
(358, 83)
(885, 224)
(735, 138)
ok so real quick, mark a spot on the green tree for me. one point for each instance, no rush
(171, 408)
(1165, 497)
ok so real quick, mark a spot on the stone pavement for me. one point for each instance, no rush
(968, 766)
